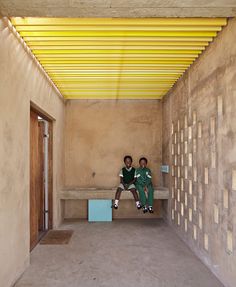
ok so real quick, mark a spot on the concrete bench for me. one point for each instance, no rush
(74, 203)
(95, 193)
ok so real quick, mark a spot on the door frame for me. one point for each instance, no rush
(44, 116)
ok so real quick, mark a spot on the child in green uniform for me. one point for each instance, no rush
(144, 182)
(127, 180)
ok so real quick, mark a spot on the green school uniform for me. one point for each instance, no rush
(127, 174)
(144, 179)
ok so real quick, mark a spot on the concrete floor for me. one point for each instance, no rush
(124, 253)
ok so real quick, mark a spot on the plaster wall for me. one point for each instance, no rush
(199, 144)
(22, 84)
(99, 134)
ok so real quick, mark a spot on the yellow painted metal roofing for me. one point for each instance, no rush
(99, 58)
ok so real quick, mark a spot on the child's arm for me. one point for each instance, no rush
(121, 177)
(148, 177)
(138, 178)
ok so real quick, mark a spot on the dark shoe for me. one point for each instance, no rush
(115, 206)
(139, 206)
(150, 209)
(145, 210)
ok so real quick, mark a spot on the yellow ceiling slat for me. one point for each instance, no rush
(106, 90)
(95, 58)
(119, 21)
(111, 70)
(90, 61)
(113, 43)
(113, 51)
(114, 97)
(101, 81)
(117, 65)
(114, 68)
(142, 78)
(180, 57)
(62, 78)
(115, 71)
(119, 33)
(124, 48)
(110, 74)
(115, 39)
(142, 85)
(115, 29)
(114, 92)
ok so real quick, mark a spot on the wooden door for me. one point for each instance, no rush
(41, 194)
(37, 185)
(34, 179)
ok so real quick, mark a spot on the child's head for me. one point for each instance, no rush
(128, 161)
(143, 162)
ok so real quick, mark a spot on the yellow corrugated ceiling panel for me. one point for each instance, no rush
(116, 58)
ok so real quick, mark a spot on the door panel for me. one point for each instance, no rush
(34, 178)
(41, 177)
(37, 184)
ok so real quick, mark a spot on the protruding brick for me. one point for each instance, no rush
(190, 186)
(212, 126)
(190, 214)
(186, 172)
(194, 117)
(200, 220)
(206, 241)
(199, 130)
(186, 199)
(234, 179)
(206, 176)
(220, 105)
(194, 203)
(182, 209)
(230, 241)
(190, 159)
(195, 174)
(216, 214)
(226, 198)
(194, 232)
(186, 224)
(185, 147)
(189, 133)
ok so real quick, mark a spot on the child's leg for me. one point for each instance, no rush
(117, 196)
(118, 193)
(150, 195)
(142, 194)
(135, 195)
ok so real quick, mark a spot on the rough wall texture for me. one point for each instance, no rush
(118, 8)
(21, 81)
(78, 209)
(100, 133)
(199, 143)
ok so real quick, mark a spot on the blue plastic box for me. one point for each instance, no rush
(99, 210)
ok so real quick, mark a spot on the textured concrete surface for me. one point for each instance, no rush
(122, 253)
(21, 82)
(118, 8)
(75, 205)
(100, 133)
(97, 137)
(201, 151)
(78, 209)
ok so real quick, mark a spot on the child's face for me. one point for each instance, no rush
(128, 162)
(143, 163)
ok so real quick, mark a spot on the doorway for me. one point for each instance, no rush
(40, 176)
